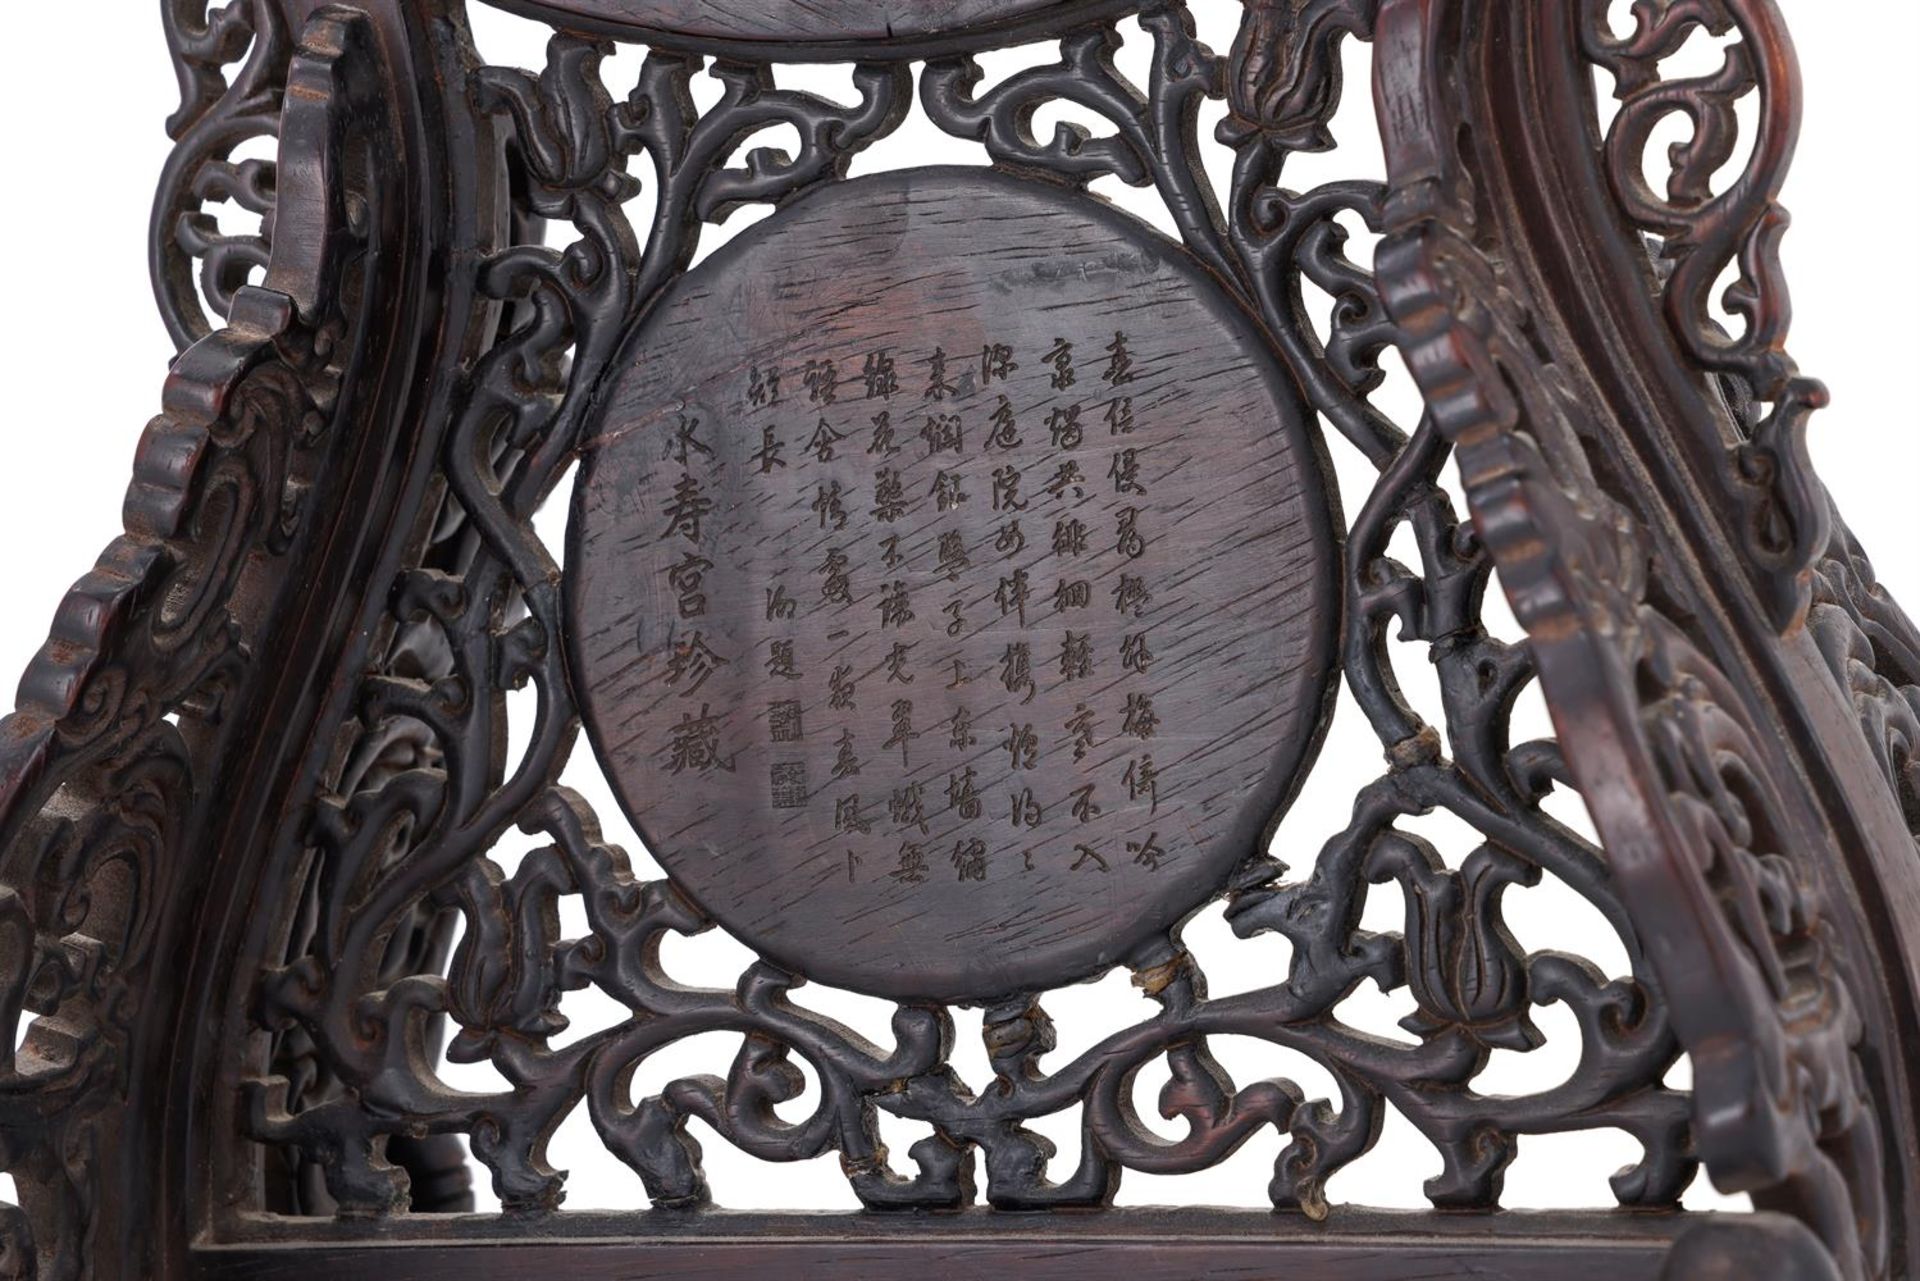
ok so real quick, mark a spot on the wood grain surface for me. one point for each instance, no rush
(1144, 1244)
(835, 22)
(951, 586)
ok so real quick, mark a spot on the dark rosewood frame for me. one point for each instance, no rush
(255, 772)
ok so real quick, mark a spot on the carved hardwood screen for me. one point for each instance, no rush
(952, 578)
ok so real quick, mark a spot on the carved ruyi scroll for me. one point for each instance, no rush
(956, 593)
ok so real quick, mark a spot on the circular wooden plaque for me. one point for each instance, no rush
(952, 586)
(839, 27)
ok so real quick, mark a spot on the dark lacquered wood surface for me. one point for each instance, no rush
(275, 836)
(834, 22)
(1143, 1245)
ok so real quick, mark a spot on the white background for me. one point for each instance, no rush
(86, 354)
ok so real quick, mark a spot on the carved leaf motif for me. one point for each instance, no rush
(501, 977)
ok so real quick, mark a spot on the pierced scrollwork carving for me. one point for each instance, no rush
(1719, 855)
(232, 66)
(485, 624)
(402, 886)
(1153, 142)
(1701, 233)
(479, 615)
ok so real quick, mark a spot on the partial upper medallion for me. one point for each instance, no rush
(830, 27)
(952, 586)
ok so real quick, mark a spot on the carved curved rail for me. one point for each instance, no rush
(1640, 477)
(121, 772)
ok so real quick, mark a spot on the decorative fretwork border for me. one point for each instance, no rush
(418, 796)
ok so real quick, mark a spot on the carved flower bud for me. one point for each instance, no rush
(1283, 80)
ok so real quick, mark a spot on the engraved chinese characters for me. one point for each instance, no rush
(951, 586)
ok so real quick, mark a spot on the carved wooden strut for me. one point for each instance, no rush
(956, 594)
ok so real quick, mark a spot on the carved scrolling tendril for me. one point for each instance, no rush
(231, 62)
(411, 814)
(1701, 233)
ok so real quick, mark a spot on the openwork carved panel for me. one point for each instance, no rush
(957, 592)
(668, 692)
(232, 63)
(1625, 620)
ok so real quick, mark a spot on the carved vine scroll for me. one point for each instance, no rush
(232, 63)
(415, 828)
